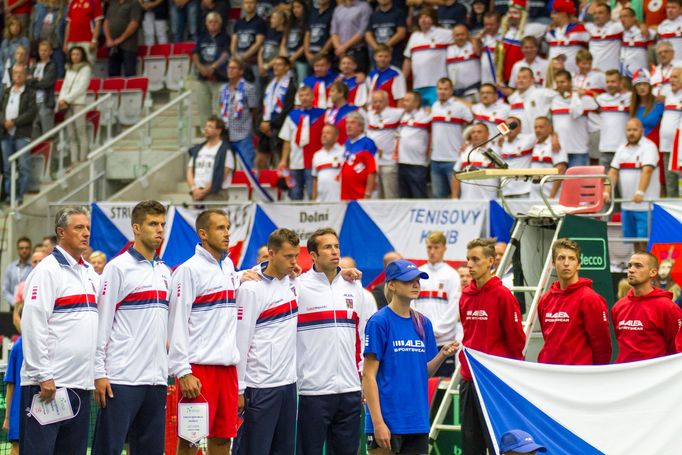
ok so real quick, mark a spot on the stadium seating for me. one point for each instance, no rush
(155, 64)
(179, 63)
(132, 100)
(583, 195)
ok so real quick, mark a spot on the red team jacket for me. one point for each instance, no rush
(492, 322)
(575, 325)
(646, 326)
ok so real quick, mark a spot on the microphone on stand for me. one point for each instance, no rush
(503, 129)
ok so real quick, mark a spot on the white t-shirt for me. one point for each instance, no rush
(660, 77)
(476, 190)
(672, 31)
(447, 121)
(492, 115)
(203, 171)
(529, 105)
(629, 160)
(518, 155)
(569, 118)
(428, 53)
(326, 167)
(545, 158)
(538, 66)
(605, 44)
(633, 53)
(464, 66)
(382, 129)
(614, 113)
(414, 134)
(670, 120)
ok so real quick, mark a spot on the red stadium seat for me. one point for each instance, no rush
(113, 86)
(179, 62)
(583, 195)
(92, 119)
(132, 100)
(93, 90)
(44, 149)
(58, 85)
(155, 65)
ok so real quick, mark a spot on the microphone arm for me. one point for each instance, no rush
(481, 145)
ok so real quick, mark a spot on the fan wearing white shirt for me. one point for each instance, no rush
(326, 167)
(547, 154)
(528, 102)
(660, 74)
(484, 189)
(633, 54)
(206, 182)
(413, 144)
(464, 64)
(614, 112)
(672, 115)
(517, 151)
(538, 65)
(382, 124)
(670, 29)
(605, 38)
(635, 165)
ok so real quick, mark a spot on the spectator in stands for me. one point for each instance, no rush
(12, 379)
(389, 375)
(130, 383)
(569, 119)
(665, 281)
(349, 23)
(670, 121)
(330, 397)
(278, 100)
(387, 26)
(337, 113)
(656, 317)
(587, 80)
(451, 13)
(222, 7)
(448, 116)
(17, 271)
(155, 22)
(263, 254)
(492, 110)
(321, 81)
(83, 26)
(184, 14)
(528, 102)
(556, 64)
(471, 157)
(49, 24)
(464, 63)
(301, 134)
(385, 77)
(413, 145)
(17, 113)
(547, 153)
(531, 59)
(211, 164)
(37, 256)
(326, 167)
(269, 381)
(382, 125)
(645, 106)
(487, 41)
(565, 36)
(614, 111)
(359, 170)
(317, 38)
(238, 104)
(378, 291)
(669, 28)
(43, 79)
(660, 74)
(13, 38)
(72, 100)
(21, 10)
(517, 151)
(605, 38)
(98, 260)
(503, 324)
(439, 298)
(52, 319)
(21, 56)
(357, 87)
(572, 314)
(273, 44)
(426, 55)
(122, 20)
(210, 56)
(294, 38)
(247, 39)
(203, 351)
(636, 39)
(635, 164)
(475, 20)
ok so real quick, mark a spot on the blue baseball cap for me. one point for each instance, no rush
(403, 270)
(519, 441)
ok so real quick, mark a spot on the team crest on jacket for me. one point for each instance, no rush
(293, 290)
(349, 302)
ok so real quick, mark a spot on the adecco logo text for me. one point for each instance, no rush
(593, 253)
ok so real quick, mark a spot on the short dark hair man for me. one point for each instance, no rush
(17, 270)
(572, 314)
(211, 163)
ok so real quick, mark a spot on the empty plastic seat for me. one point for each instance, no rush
(583, 195)
(93, 90)
(155, 64)
(92, 119)
(179, 63)
(109, 109)
(132, 100)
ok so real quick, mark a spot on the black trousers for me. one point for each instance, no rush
(412, 181)
(335, 418)
(475, 437)
(269, 421)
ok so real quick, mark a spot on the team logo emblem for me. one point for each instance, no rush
(349, 303)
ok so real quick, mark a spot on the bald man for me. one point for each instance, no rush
(378, 292)
(634, 165)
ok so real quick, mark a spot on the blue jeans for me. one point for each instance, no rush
(11, 145)
(245, 148)
(578, 159)
(304, 178)
(635, 224)
(184, 17)
(441, 175)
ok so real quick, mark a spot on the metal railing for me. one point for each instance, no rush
(58, 131)
(97, 158)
